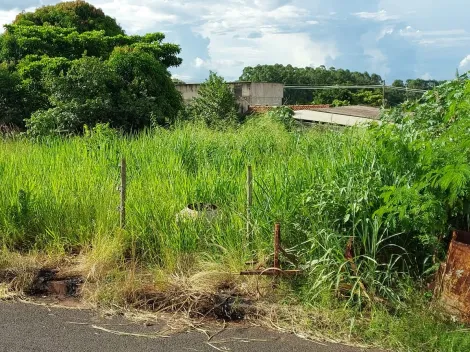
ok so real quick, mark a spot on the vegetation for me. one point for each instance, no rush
(366, 210)
(327, 188)
(386, 196)
(12, 98)
(215, 104)
(78, 15)
(321, 76)
(49, 55)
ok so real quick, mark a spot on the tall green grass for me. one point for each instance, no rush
(324, 186)
(62, 194)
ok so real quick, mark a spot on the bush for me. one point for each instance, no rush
(428, 153)
(215, 105)
(337, 102)
(284, 115)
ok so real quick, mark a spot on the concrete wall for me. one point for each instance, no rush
(188, 91)
(246, 93)
(267, 94)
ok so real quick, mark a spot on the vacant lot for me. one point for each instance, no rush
(351, 205)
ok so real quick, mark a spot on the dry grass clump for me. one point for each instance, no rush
(5, 292)
(196, 294)
(18, 271)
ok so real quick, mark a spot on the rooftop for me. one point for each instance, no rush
(368, 112)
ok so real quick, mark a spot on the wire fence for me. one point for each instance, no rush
(372, 86)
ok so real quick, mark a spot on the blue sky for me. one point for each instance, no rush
(394, 38)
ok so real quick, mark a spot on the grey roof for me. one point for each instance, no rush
(353, 110)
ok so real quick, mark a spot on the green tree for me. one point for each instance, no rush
(51, 50)
(395, 97)
(32, 71)
(82, 96)
(18, 42)
(322, 76)
(319, 76)
(78, 15)
(368, 97)
(215, 104)
(13, 98)
(129, 91)
(147, 95)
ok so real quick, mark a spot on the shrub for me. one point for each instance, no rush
(284, 115)
(215, 105)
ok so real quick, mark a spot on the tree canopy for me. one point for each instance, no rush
(319, 76)
(322, 76)
(78, 15)
(73, 65)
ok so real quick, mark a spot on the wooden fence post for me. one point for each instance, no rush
(249, 200)
(122, 207)
(277, 244)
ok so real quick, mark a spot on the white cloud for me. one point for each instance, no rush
(437, 38)
(296, 49)
(184, 78)
(410, 32)
(281, 37)
(416, 33)
(378, 61)
(385, 31)
(198, 62)
(246, 17)
(425, 14)
(7, 17)
(379, 16)
(427, 76)
(268, 4)
(446, 42)
(216, 65)
(137, 18)
(465, 63)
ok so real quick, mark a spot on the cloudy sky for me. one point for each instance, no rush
(394, 38)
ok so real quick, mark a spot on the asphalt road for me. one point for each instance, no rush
(29, 327)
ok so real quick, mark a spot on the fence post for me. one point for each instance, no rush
(249, 200)
(383, 94)
(122, 207)
(277, 244)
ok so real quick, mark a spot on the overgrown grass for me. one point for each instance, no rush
(324, 186)
(61, 195)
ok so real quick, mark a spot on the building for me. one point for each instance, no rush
(342, 115)
(246, 93)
